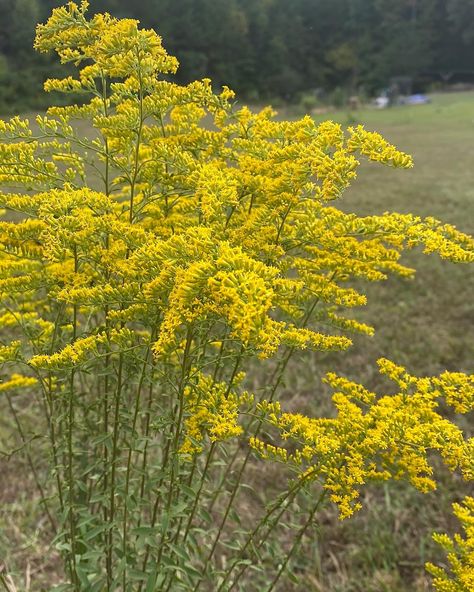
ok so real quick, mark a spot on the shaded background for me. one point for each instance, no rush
(267, 49)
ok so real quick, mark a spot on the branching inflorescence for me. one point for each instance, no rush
(145, 262)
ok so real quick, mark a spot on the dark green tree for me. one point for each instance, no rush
(268, 48)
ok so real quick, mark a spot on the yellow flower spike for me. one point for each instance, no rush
(210, 410)
(372, 438)
(9, 352)
(459, 576)
(373, 145)
(17, 381)
(458, 389)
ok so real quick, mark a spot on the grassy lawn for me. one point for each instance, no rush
(426, 324)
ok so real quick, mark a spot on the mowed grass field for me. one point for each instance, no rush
(426, 323)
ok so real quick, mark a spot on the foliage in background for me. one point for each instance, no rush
(133, 312)
(268, 48)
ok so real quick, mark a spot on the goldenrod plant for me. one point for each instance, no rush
(459, 577)
(149, 256)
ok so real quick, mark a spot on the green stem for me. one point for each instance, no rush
(172, 451)
(199, 491)
(224, 518)
(278, 374)
(146, 435)
(251, 539)
(114, 462)
(283, 501)
(283, 220)
(297, 542)
(155, 509)
(177, 435)
(31, 464)
(280, 369)
(139, 139)
(129, 459)
(194, 508)
(70, 453)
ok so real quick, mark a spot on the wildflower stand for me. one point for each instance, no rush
(145, 266)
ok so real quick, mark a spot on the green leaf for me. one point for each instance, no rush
(144, 530)
(93, 532)
(82, 575)
(150, 584)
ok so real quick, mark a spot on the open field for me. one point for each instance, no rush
(426, 324)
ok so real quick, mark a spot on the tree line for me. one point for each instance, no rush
(265, 49)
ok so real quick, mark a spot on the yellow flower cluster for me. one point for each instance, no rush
(460, 553)
(117, 48)
(82, 349)
(9, 353)
(376, 148)
(17, 381)
(212, 409)
(196, 221)
(374, 438)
